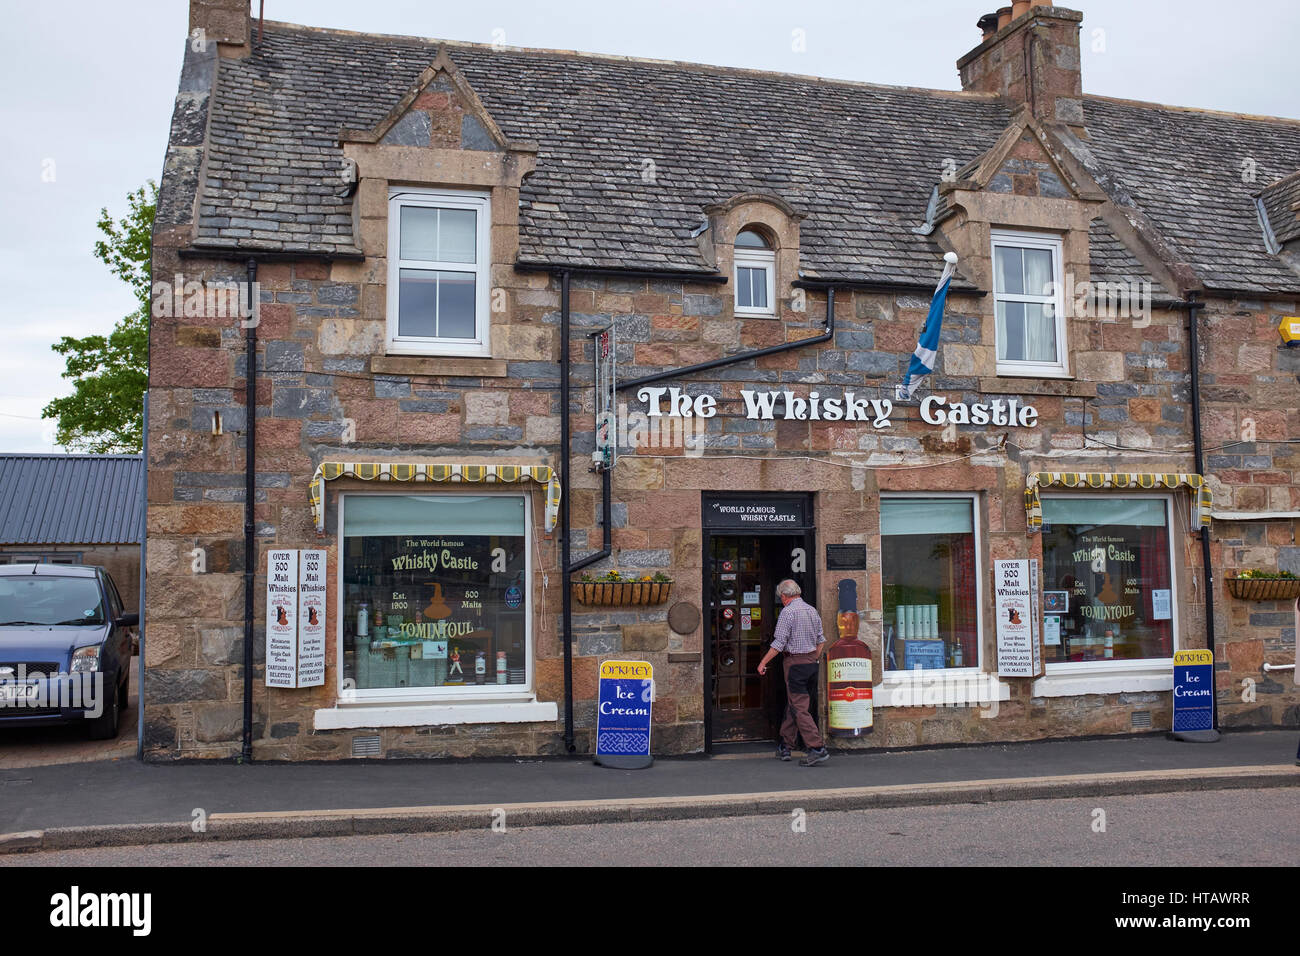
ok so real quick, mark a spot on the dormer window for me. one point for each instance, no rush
(438, 268)
(755, 278)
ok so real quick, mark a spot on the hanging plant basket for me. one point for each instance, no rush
(1264, 589)
(620, 593)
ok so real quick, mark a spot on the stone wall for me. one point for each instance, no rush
(1251, 393)
(317, 379)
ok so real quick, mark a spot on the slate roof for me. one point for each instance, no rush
(1183, 169)
(1111, 261)
(858, 160)
(1282, 206)
(70, 499)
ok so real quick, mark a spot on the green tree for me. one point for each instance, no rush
(110, 373)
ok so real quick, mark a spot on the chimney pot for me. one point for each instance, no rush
(1032, 60)
(988, 24)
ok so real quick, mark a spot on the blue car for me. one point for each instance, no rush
(65, 647)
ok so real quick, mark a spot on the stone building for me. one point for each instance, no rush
(445, 241)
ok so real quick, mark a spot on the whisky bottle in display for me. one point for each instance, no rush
(849, 681)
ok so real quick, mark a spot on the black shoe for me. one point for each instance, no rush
(782, 752)
(815, 757)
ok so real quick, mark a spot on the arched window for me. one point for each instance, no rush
(755, 274)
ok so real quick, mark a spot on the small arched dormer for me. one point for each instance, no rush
(755, 244)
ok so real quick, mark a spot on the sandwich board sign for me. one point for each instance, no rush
(1193, 691)
(624, 703)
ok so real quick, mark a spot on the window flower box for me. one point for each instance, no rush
(618, 591)
(1256, 586)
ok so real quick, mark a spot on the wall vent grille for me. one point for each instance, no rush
(365, 746)
(1141, 719)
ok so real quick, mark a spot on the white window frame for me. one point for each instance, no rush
(1032, 240)
(469, 693)
(1070, 678)
(898, 677)
(755, 259)
(481, 204)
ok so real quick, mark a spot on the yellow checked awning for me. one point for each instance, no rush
(489, 474)
(1202, 496)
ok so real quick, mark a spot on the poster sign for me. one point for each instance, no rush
(1193, 690)
(623, 714)
(1017, 630)
(311, 618)
(1161, 604)
(282, 618)
(1052, 631)
(1036, 615)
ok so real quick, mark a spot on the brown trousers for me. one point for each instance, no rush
(800, 676)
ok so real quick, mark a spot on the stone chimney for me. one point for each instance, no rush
(1030, 55)
(225, 22)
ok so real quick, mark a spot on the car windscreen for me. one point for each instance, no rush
(41, 599)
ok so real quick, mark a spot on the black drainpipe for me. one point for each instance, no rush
(607, 496)
(744, 356)
(250, 472)
(1193, 307)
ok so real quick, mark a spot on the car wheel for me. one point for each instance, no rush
(104, 727)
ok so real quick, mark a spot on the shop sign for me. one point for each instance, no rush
(1193, 690)
(295, 618)
(623, 711)
(1016, 605)
(311, 618)
(755, 513)
(847, 407)
(282, 618)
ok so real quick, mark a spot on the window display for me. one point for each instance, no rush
(1107, 583)
(931, 583)
(435, 593)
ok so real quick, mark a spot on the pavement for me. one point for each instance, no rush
(70, 743)
(124, 802)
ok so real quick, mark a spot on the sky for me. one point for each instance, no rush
(88, 93)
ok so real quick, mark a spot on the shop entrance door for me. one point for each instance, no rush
(741, 572)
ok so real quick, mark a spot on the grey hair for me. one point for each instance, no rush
(788, 588)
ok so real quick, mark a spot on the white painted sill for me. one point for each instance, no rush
(1029, 371)
(356, 716)
(941, 688)
(435, 349)
(1121, 682)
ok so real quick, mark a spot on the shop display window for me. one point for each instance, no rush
(931, 583)
(435, 595)
(1108, 592)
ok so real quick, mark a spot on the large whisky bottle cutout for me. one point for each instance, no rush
(849, 680)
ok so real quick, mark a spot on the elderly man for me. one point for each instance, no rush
(799, 635)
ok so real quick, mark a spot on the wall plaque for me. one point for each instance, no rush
(846, 557)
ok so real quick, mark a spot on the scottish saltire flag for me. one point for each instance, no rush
(927, 346)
